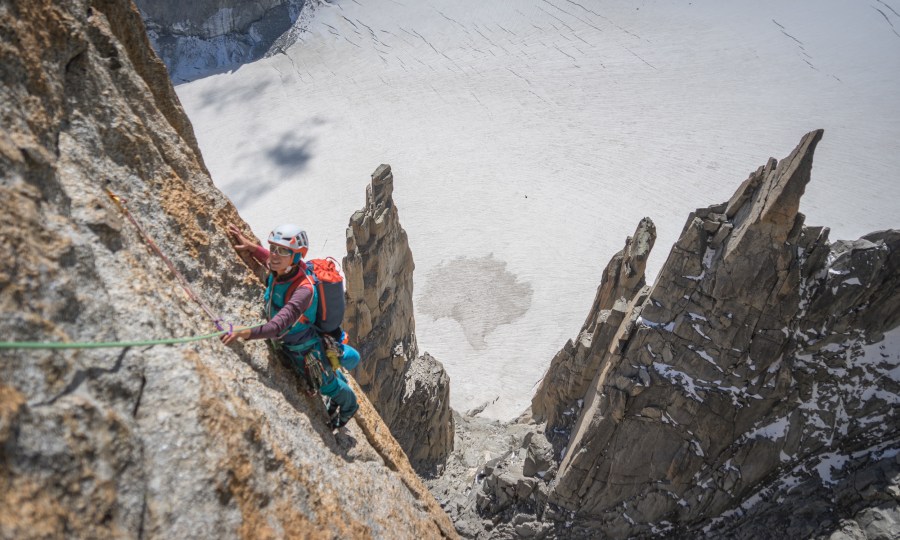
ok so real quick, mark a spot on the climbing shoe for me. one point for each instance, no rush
(337, 423)
(332, 411)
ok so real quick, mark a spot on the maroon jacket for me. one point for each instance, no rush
(295, 306)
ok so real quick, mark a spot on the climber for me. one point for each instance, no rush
(292, 320)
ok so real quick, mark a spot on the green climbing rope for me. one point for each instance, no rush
(120, 202)
(108, 344)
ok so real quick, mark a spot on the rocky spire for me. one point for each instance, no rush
(193, 440)
(411, 392)
(752, 389)
(728, 379)
(575, 366)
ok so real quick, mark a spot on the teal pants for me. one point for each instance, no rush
(334, 385)
(340, 393)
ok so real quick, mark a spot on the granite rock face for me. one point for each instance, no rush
(202, 37)
(411, 392)
(194, 440)
(424, 425)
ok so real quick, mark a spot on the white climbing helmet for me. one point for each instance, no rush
(291, 237)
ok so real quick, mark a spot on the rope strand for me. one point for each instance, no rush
(120, 202)
(217, 321)
(113, 344)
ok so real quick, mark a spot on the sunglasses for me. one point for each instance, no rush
(280, 250)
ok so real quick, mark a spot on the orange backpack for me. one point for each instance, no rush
(329, 285)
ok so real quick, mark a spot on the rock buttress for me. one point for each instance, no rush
(187, 441)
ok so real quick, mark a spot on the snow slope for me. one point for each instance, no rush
(529, 137)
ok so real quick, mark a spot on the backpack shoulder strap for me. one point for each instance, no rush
(302, 279)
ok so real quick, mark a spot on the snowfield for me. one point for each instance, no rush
(529, 137)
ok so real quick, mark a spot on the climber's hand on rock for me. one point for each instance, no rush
(240, 242)
(235, 335)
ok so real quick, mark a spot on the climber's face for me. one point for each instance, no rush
(278, 261)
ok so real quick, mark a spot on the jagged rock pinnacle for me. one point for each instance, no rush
(411, 392)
